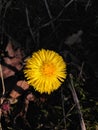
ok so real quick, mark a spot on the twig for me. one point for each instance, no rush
(0, 126)
(81, 71)
(3, 92)
(29, 26)
(87, 5)
(6, 7)
(49, 13)
(70, 110)
(57, 17)
(65, 6)
(76, 100)
(2, 79)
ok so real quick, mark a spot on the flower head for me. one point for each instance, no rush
(45, 71)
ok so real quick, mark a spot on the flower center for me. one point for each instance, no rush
(48, 69)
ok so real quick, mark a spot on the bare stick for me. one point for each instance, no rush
(49, 13)
(76, 100)
(29, 26)
(57, 17)
(3, 92)
(88, 4)
(3, 86)
(65, 6)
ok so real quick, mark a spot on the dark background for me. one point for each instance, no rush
(55, 24)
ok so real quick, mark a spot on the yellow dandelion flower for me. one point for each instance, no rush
(45, 71)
